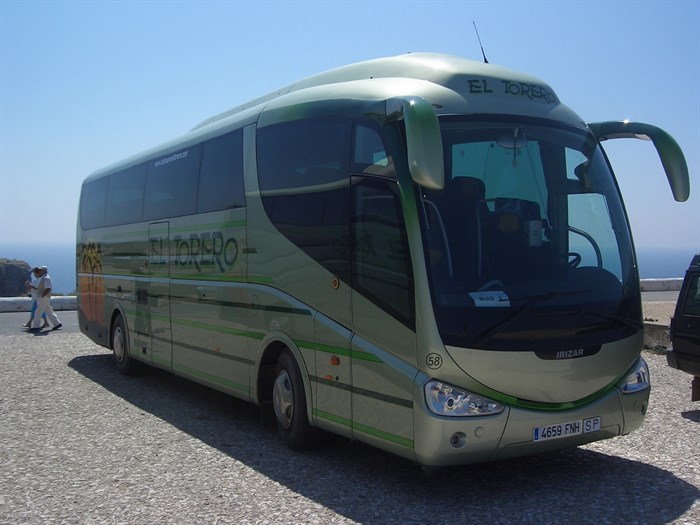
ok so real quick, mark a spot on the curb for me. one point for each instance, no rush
(24, 304)
(661, 285)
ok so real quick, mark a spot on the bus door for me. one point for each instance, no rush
(159, 294)
(332, 334)
(383, 315)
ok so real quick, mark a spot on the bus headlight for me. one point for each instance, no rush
(447, 400)
(637, 379)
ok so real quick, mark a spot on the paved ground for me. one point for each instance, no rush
(11, 322)
(80, 443)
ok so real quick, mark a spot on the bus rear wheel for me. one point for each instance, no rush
(120, 347)
(289, 403)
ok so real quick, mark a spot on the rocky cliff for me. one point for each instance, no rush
(13, 275)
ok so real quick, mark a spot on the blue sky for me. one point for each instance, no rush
(84, 84)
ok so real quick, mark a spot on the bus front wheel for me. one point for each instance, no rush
(120, 346)
(289, 402)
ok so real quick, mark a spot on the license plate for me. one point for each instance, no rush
(562, 430)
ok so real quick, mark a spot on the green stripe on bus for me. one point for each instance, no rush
(536, 405)
(332, 384)
(206, 351)
(196, 324)
(211, 377)
(399, 440)
(159, 360)
(251, 279)
(126, 254)
(386, 436)
(365, 356)
(217, 328)
(371, 394)
(244, 306)
(385, 398)
(329, 349)
(208, 277)
(333, 417)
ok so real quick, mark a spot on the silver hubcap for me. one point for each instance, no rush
(118, 344)
(283, 399)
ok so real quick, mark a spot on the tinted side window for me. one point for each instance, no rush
(92, 203)
(303, 154)
(369, 155)
(171, 185)
(125, 196)
(221, 174)
(381, 262)
(304, 180)
(692, 298)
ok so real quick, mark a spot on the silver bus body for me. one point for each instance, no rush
(425, 253)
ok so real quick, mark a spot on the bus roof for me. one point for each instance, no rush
(452, 84)
(480, 87)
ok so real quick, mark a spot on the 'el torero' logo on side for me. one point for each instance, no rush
(206, 250)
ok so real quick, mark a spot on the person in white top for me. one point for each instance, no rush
(31, 285)
(43, 300)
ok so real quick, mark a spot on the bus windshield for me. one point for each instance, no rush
(527, 245)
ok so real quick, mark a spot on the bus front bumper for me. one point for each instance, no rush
(442, 441)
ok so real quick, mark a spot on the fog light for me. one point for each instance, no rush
(458, 440)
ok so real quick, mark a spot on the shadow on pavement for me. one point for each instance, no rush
(370, 486)
(692, 415)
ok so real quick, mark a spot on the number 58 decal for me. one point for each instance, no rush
(433, 361)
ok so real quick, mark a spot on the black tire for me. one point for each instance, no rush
(289, 403)
(120, 347)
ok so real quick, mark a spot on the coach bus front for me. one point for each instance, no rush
(534, 293)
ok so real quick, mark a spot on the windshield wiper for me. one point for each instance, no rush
(616, 318)
(531, 301)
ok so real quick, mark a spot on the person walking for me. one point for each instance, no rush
(31, 286)
(43, 300)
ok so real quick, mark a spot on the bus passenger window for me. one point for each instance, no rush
(92, 203)
(304, 181)
(692, 302)
(125, 196)
(171, 184)
(369, 154)
(221, 174)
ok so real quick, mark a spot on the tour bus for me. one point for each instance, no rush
(424, 253)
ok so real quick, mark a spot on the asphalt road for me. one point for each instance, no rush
(80, 443)
(11, 323)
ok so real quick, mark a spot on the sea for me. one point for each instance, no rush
(654, 263)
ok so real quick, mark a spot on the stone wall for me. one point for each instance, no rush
(13, 276)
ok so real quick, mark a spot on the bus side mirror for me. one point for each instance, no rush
(669, 151)
(423, 143)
